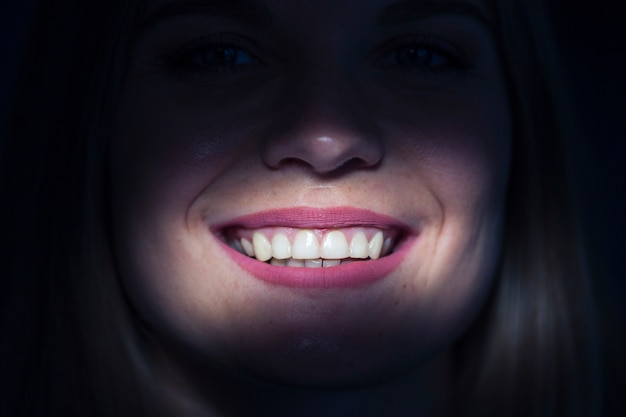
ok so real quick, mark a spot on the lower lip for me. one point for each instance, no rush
(352, 275)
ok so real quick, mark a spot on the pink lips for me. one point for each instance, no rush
(344, 276)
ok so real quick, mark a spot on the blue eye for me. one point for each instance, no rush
(222, 57)
(423, 54)
(220, 54)
(419, 55)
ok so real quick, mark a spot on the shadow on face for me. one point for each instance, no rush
(311, 193)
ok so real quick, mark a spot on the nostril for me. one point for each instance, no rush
(324, 155)
(337, 169)
(324, 140)
(292, 163)
(358, 164)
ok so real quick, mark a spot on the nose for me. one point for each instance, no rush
(324, 129)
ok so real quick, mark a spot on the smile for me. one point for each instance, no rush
(320, 248)
(312, 248)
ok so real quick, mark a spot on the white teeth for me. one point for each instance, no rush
(306, 251)
(247, 246)
(262, 247)
(281, 248)
(295, 262)
(305, 245)
(358, 246)
(313, 263)
(335, 246)
(309, 263)
(375, 245)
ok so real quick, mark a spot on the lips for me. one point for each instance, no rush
(323, 248)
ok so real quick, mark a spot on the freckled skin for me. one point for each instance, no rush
(431, 149)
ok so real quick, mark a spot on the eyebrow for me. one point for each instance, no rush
(249, 11)
(411, 10)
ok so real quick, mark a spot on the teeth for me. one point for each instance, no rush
(310, 263)
(358, 246)
(306, 250)
(305, 245)
(376, 245)
(295, 262)
(335, 246)
(247, 246)
(281, 248)
(313, 263)
(262, 247)
(236, 244)
(387, 246)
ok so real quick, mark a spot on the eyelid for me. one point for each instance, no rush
(211, 40)
(456, 54)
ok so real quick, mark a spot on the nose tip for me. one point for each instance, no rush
(324, 153)
(324, 133)
(323, 125)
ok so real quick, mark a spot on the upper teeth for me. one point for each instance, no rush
(288, 246)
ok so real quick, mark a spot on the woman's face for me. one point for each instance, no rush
(311, 192)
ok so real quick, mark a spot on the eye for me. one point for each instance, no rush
(221, 56)
(216, 54)
(422, 54)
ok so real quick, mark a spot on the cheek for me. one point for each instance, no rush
(459, 151)
(169, 146)
(460, 140)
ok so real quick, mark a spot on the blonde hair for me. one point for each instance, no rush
(70, 344)
(534, 351)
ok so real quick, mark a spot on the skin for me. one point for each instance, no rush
(320, 111)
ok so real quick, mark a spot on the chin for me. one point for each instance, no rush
(332, 359)
(326, 368)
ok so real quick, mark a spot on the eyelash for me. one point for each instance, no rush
(226, 50)
(231, 53)
(441, 55)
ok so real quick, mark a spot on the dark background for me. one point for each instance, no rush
(592, 35)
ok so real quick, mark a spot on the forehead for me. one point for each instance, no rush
(321, 12)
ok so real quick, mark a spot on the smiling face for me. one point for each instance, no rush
(257, 141)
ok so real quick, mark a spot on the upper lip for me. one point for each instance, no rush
(314, 218)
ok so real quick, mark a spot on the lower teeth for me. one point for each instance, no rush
(310, 263)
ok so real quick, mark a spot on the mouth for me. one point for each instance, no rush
(321, 248)
(312, 248)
